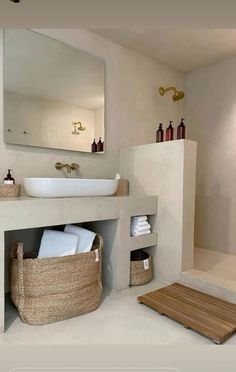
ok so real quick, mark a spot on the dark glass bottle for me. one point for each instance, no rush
(160, 134)
(181, 131)
(170, 132)
(9, 180)
(99, 145)
(94, 146)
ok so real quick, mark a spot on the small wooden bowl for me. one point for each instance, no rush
(10, 191)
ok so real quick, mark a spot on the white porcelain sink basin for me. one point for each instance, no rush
(68, 187)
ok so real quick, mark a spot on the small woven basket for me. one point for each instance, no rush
(141, 271)
(10, 191)
(52, 289)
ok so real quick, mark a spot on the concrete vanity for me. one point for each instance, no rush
(109, 216)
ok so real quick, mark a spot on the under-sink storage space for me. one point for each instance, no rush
(26, 218)
(56, 295)
(31, 239)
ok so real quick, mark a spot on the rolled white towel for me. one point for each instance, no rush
(86, 237)
(140, 228)
(139, 218)
(141, 233)
(57, 244)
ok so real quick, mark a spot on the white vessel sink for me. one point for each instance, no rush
(68, 187)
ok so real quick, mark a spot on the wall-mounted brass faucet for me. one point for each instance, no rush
(178, 94)
(69, 168)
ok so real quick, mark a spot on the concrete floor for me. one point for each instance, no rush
(120, 320)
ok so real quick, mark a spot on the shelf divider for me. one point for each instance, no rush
(143, 241)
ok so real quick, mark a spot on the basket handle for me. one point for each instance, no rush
(19, 251)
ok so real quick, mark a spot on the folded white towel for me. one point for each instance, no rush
(86, 237)
(139, 218)
(141, 228)
(57, 244)
(138, 233)
(139, 224)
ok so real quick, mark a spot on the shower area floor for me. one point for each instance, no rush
(215, 263)
(214, 273)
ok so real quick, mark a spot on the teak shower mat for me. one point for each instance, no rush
(205, 314)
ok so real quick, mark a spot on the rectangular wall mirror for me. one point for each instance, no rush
(54, 94)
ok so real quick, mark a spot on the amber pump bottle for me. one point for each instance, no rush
(181, 131)
(9, 180)
(160, 134)
(99, 145)
(170, 132)
(94, 146)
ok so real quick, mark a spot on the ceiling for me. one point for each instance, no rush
(182, 49)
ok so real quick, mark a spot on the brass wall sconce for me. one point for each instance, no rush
(178, 94)
(78, 127)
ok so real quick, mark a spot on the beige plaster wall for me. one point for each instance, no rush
(210, 111)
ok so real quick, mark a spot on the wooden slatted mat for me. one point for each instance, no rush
(208, 315)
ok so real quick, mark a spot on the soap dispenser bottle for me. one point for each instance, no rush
(181, 131)
(170, 132)
(94, 146)
(99, 145)
(9, 180)
(160, 134)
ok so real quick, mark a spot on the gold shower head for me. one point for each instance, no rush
(178, 94)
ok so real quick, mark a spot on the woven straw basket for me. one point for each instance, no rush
(52, 289)
(140, 268)
(10, 191)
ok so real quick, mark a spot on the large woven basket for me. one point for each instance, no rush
(52, 289)
(140, 268)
